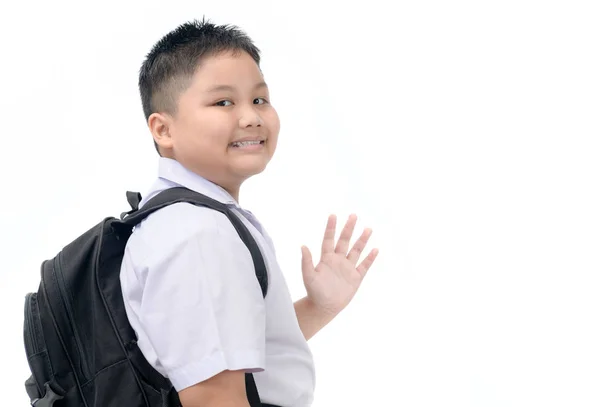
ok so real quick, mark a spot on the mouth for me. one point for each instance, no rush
(240, 144)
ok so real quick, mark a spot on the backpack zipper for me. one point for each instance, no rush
(29, 325)
(64, 296)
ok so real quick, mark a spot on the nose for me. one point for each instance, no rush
(250, 118)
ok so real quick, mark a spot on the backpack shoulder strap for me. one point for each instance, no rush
(180, 194)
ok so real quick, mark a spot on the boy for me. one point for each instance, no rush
(188, 280)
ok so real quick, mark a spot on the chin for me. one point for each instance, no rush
(247, 171)
(254, 170)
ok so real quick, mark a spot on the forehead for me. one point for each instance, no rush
(228, 68)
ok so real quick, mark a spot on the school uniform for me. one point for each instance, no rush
(193, 299)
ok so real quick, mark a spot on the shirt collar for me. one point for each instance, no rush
(171, 170)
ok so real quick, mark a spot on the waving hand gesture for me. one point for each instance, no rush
(333, 282)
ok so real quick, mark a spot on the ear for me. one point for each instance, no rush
(160, 126)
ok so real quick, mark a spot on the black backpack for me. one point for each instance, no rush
(81, 349)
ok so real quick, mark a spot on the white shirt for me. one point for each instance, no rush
(192, 297)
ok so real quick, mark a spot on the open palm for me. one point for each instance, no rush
(334, 281)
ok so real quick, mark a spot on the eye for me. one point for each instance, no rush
(222, 103)
(265, 101)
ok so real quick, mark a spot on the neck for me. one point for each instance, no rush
(234, 192)
(232, 187)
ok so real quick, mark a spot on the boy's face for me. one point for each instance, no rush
(225, 128)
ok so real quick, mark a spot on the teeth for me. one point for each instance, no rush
(245, 143)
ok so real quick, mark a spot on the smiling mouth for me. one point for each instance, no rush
(246, 143)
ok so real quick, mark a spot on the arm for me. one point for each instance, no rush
(310, 318)
(227, 389)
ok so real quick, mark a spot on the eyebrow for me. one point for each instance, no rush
(219, 88)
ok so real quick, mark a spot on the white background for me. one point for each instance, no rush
(465, 133)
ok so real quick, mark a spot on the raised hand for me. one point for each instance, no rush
(332, 284)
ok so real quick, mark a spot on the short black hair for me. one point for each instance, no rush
(170, 65)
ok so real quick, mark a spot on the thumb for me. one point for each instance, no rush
(307, 262)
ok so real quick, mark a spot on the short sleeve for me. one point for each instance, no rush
(202, 308)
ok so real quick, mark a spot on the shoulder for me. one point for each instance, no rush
(186, 220)
(174, 226)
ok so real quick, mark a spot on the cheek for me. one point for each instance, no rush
(207, 130)
(273, 123)
(216, 128)
(273, 138)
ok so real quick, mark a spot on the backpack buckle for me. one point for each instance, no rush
(49, 398)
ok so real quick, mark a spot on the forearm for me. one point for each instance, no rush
(217, 403)
(226, 389)
(310, 318)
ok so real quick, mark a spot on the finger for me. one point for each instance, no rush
(367, 262)
(344, 241)
(359, 246)
(308, 266)
(329, 238)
